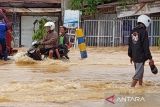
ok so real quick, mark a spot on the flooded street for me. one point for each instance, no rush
(77, 83)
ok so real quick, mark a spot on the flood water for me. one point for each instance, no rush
(77, 82)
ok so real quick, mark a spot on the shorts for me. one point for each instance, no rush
(139, 71)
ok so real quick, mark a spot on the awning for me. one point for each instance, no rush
(107, 8)
(107, 5)
(30, 1)
(33, 10)
(138, 9)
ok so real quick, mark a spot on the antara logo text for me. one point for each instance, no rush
(123, 99)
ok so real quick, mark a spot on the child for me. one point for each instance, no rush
(138, 50)
(63, 36)
(63, 42)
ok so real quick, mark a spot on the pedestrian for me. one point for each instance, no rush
(138, 50)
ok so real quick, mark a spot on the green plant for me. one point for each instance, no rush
(40, 32)
(88, 7)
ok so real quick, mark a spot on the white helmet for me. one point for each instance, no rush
(34, 42)
(144, 19)
(51, 25)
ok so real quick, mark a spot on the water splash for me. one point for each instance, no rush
(22, 58)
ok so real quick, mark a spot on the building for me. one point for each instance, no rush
(112, 24)
(23, 14)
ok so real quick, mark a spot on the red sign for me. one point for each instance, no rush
(111, 99)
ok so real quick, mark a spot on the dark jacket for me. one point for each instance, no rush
(139, 45)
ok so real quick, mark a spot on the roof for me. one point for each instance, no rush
(141, 1)
(33, 10)
(115, 3)
(107, 5)
(29, 1)
(138, 9)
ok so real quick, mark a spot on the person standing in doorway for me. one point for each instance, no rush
(138, 50)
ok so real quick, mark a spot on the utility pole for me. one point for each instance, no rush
(64, 6)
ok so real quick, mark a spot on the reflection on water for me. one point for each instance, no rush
(76, 82)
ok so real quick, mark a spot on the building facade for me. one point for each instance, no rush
(23, 14)
(112, 24)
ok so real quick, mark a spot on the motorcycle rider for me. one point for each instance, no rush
(50, 40)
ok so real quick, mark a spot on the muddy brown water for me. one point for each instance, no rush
(77, 83)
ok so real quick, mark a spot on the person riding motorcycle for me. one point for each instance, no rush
(63, 42)
(50, 41)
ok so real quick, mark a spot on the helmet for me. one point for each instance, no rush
(144, 19)
(34, 42)
(51, 25)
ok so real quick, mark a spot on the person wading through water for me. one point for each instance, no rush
(138, 50)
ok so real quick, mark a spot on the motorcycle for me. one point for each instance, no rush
(33, 51)
(35, 54)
